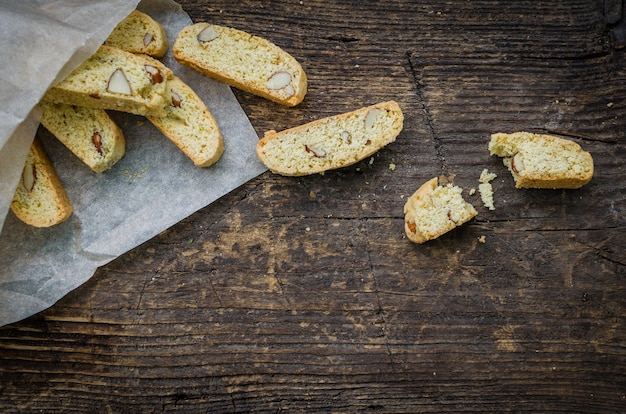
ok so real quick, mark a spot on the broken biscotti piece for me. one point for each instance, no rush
(543, 161)
(190, 125)
(139, 33)
(333, 142)
(88, 133)
(243, 61)
(39, 199)
(115, 79)
(434, 210)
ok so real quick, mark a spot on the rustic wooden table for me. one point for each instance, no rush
(303, 294)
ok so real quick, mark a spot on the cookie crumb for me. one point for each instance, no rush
(392, 166)
(486, 176)
(482, 239)
(472, 191)
(485, 189)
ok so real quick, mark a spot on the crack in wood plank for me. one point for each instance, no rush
(418, 78)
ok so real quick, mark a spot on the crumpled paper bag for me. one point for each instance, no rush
(150, 189)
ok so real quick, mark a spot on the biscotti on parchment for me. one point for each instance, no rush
(115, 79)
(243, 61)
(333, 142)
(139, 33)
(543, 161)
(190, 125)
(88, 133)
(434, 210)
(39, 199)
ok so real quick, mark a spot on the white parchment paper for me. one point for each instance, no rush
(150, 189)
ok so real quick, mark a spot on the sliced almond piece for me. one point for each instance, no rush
(97, 142)
(155, 74)
(207, 34)
(177, 100)
(370, 118)
(279, 80)
(346, 137)
(118, 83)
(517, 165)
(289, 90)
(317, 152)
(29, 176)
(147, 38)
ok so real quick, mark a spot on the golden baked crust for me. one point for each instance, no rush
(434, 210)
(543, 161)
(333, 142)
(246, 62)
(190, 125)
(39, 199)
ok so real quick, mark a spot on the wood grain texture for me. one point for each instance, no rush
(303, 295)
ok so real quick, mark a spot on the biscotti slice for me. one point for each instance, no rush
(190, 125)
(243, 61)
(39, 199)
(88, 133)
(115, 79)
(543, 161)
(332, 142)
(434, 210)
(139, 33)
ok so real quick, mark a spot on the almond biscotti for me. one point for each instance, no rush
(115, 79)
(139, 33)
(39, 199)
(543, 161)
(434, 210)
(190, 125)
(243, 61)
(333, 142)
(88, 133)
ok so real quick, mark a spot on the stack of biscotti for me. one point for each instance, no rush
(123, 75)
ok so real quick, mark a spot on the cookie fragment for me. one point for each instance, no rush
(434, 210)
(543, 161)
